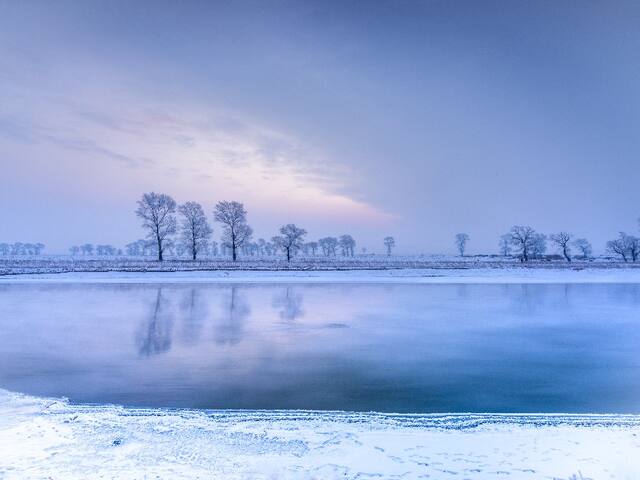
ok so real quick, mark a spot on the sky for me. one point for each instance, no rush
(416, 119)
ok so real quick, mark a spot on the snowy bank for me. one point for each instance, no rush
(49, 438)
(472, 275)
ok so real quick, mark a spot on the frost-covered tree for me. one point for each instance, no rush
(157, 213)
(505, 244)
(290, 239)
(347, 245)
(233, 218)
(523, 239)
(328, 246)
(620, 246)
(461, 243)
(583, 245)
(5, 248)
(74, 250)
(389, 243)
(194, 228)
(313, 247)
(561, 240)
(86, 249)
(539, 246)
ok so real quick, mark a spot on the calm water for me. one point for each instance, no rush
(402, 348)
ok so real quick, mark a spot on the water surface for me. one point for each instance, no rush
(395, 348)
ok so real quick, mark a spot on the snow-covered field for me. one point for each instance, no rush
(65, 264)
(426, 275)
(52, 439)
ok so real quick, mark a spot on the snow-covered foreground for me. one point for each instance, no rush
(439, 275)
(49, 438)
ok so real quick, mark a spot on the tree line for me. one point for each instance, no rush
(523, 242)
(164, 220)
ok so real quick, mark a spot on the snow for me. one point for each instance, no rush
(433, 275)
(50, 438)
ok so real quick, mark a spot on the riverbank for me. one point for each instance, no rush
(50, 438)
(67, 264)
(417, 275)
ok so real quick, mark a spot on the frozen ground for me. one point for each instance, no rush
(426, 275)
(51, 439)
(64, 264)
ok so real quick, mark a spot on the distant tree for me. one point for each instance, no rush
(313, 247)
(523, 239)
(583, 245)
(505, 244)
(290, 239)
(86, 249)
(561, 240)
(622, 246)
(5, 248)
(389, 242)
(328, 245)
(74, 250)
(347, 245)
(157, 213)
(539, 246)
(233, 218)
(213, 248)
(461, 242)
(194, 228)
(38, 248)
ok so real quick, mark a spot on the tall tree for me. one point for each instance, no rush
(233, 218)
(194, 229)
(523, 239)
(290, 239)
(389, 242)
(562, 240)
(157, 213)
(461, 243)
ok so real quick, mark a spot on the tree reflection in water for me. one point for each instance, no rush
(154, 336)
(230, 328)
(291, 304)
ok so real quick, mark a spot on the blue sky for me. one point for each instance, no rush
(415, 119)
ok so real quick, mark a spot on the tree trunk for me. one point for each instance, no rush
(233, 251)
(288, 255)
(566, 255)
(159, 249)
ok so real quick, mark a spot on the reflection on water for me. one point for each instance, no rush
(154, 335)
(409, 348)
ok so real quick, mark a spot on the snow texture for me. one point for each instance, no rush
(437, 275)
(50, 438)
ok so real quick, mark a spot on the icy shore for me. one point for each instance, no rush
(439, 275)
(50, 438)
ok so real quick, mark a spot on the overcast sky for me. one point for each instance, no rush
(412, 119)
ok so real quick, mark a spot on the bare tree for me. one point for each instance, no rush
(562, 240)
(584, 246)
(290, 239)
(157, 213)
(620, 246)
(347, 245)
(313, 246)
(328, 245)
(194, 229)
(505, 244)
(389, 242)
(523, 239)
(236, 232)
(461, 242)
